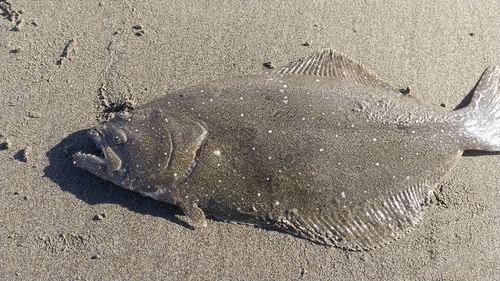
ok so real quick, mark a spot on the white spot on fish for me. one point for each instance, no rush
(217, 152)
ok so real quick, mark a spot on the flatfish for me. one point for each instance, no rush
(321, 149)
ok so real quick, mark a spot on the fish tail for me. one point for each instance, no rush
(482, 122)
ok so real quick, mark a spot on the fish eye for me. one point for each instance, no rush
(119, 137)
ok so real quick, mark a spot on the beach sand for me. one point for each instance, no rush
(65, 64)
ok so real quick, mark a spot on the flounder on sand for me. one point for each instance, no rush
(321, 149)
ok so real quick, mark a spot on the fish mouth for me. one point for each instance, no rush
(106, 165)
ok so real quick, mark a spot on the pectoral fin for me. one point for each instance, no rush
(194, 212)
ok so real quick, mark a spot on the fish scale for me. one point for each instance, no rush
(321, 149)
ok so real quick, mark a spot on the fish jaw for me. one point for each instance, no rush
(94, 164)
(107, 167)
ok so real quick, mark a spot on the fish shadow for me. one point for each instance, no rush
(94, 190)
(477, 153)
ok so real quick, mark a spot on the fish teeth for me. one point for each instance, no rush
(80, 156)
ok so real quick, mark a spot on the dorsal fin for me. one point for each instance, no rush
(329, 63)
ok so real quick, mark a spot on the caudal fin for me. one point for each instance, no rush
(483, 119)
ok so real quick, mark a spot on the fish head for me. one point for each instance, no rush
(133, 146)
(145, 151)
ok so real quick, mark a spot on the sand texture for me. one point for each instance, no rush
(65, 65)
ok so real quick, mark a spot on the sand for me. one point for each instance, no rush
(65, 65)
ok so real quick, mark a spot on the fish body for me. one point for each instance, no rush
(321, 149)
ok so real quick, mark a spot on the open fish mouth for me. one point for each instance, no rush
(100, 165)
(96, 137)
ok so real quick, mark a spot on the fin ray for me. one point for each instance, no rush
(331, 64)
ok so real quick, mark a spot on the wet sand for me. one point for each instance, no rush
(65, 66)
